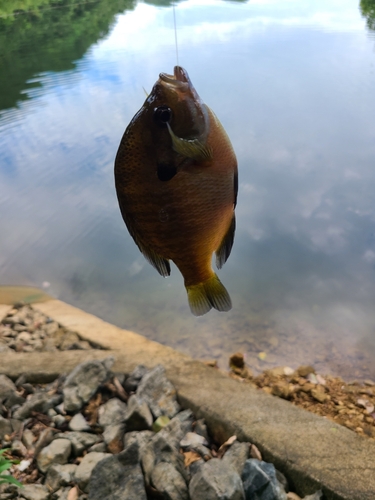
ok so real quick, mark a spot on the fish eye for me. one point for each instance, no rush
(162, 115)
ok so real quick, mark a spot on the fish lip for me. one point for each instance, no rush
(179, 80)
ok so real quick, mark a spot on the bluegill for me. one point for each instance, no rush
(176, 182)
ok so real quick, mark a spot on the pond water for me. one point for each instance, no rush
(294, 86)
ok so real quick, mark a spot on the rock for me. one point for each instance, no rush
(59, 420)
(237, 360)
(158, 392)
(132, 382)
(17, 426)
(18, 448)
(39, 402)
(83, 382)
(117, 480)
(142, 438)
(5, 427)
(169, 482)
(34, 492)
(45, 438)
(281, 389)
(69, 341)
(7, 387)
(57, 452)
(78, 423)
(192, 439)
(319, 394)
(278, 371)
(62, 493)
(99, 447)
(237, 455)
(195, 466)
(201, 428)
(214, 480)
(80, 441)
(113, 436)
(318, 495)
(259, 481)
(164, 447)
(4, 349)
(112, 412)
(138, 415)
(303, 371)
(59, 475)
(28, 438)
(203, 451)
(13, 400)
(85, 468)
(282, 480)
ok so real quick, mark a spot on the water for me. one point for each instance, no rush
(294, 86)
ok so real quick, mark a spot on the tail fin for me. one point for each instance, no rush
(210, 293)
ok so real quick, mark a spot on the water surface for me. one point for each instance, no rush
(294, 86)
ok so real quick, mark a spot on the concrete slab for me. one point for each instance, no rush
(310, 450)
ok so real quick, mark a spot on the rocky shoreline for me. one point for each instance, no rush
(97, 435)
(350, 404)
(24, 329)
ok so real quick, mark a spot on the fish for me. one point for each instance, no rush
(176, 180)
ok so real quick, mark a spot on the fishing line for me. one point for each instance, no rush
(175, 33)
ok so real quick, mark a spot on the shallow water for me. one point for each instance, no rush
(294, 86)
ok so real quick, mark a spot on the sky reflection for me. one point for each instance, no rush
(294, 86)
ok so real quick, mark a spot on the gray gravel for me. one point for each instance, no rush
(27, 330)
(97, 435)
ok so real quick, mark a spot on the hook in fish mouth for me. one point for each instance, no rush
(180, 79)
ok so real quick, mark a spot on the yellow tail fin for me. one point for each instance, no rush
(211, 293)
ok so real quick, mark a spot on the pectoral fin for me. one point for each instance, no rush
(190, 148)
(223, 252)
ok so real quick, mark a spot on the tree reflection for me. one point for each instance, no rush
(162, 3)
(47, 35)
(367, 8)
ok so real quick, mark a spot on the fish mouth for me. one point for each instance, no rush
(179, 80)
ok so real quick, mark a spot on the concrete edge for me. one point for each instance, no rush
(311, 451)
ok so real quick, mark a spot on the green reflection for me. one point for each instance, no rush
(162, 3)
(48, 36)
(367, 8)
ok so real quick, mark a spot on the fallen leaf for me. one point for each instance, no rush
(365, 403)
(190, 457)
(73, 493)
(262, 356)
(255, 453)
(223, 448)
